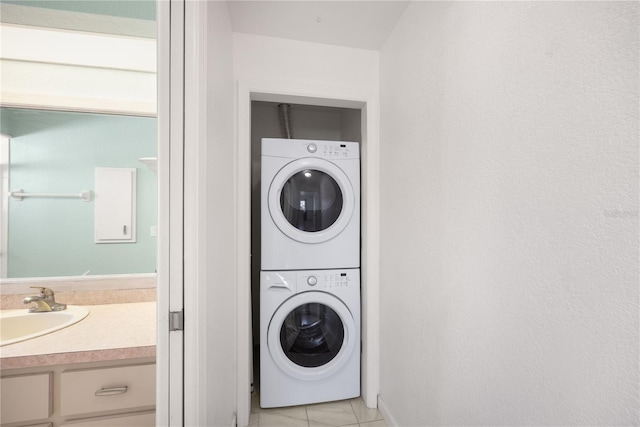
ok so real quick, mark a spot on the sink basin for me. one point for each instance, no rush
(20, 325)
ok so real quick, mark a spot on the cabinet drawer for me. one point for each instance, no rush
(25, 398)
(138, 419)
(95, 390)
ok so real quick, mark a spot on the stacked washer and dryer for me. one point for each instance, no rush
(310, 272)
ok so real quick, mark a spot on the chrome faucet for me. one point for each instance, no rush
(44, 302)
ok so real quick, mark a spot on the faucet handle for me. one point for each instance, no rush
(44, 292)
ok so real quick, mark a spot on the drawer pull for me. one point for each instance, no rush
(111, 391)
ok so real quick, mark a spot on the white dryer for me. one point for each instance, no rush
(310, 336)
(310, 204)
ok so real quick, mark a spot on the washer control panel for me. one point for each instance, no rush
(329, 279)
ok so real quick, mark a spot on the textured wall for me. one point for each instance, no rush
(303, 65)
(509, 214)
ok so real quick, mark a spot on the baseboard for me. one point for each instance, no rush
(388, 417)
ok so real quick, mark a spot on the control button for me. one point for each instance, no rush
(312, 280)
(312, 148)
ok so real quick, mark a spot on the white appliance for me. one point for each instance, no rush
(310, 336)
(310, 204)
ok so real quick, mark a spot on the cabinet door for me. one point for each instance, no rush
(95, 390)
(115, 205)
(138, 419)
(25, 398)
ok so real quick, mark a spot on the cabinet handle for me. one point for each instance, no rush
(124, 230)
(111, 391)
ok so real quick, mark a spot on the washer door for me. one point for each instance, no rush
(311, 200)
(311, 335)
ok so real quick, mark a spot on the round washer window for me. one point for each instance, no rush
(312, 335)
(311, 200)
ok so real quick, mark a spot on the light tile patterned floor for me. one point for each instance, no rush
(344, 413)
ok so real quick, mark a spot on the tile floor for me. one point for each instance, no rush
(351, 413)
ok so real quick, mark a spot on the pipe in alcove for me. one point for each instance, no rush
(285, 120)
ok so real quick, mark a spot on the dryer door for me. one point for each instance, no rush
(311, 200)
(311, 336)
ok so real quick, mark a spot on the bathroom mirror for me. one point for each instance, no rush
(56, 153)
(84, 113)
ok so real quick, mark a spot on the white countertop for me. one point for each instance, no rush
(109, 332)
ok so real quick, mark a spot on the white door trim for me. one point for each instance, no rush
(196, 304)
(243, 194)
(4, 203)
(170, 354)
(325, 96)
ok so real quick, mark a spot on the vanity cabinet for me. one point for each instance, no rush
(143, 419)
(25, 398)
(107, 389)
(96, 394)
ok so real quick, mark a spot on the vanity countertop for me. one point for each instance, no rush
(109, 332)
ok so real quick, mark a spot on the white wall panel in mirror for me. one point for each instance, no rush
(74, 70)
(115, 205)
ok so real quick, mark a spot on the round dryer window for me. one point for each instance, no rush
(311, 200)
(311, 335)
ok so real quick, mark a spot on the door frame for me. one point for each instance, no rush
(329, 96)
(5, 141)
(170, 409)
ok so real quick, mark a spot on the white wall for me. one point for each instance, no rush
(219, 305)
(509, 214)
(308, 66)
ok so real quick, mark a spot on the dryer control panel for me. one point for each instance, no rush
(301, 148)
(336, 151)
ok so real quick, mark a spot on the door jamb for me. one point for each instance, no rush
(4, 202)
(170, 344)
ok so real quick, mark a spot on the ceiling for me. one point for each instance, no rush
(357, 24)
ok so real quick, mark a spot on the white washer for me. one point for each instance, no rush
(310, 336)
(310, 204)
